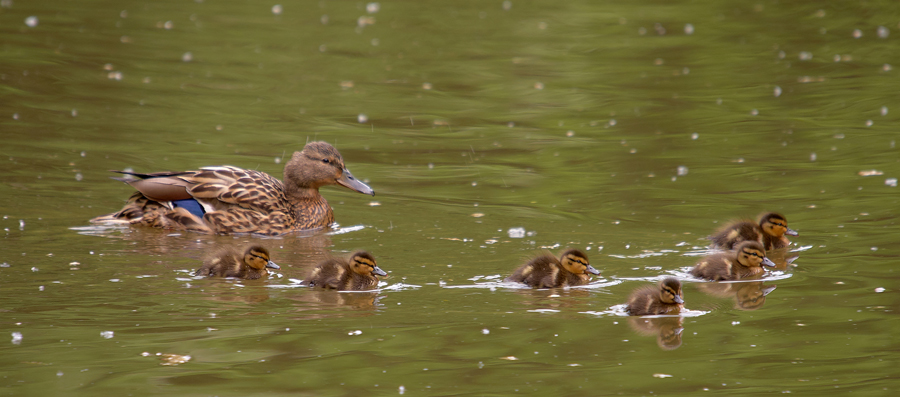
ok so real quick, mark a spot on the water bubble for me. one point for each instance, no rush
(883, 32)
(539, 86)
(426, 86)
(324, 19)
(115, 76)
(276, 9)
(107, 334)
(812, 157)
(884, 110)
(777, 91)
(485, 331)
(570, 133)
(857, 34)
(169, 25)
(879, 290)
(31, 21)
(805, 55)
(79, 177)
(373, 7)
(892, 182)
(507, 5)
(362, 118)
(516, 232)
(688, 29)
(16, 338)
(869, 123)
(187, 57)
(754, 112)
(682, 170)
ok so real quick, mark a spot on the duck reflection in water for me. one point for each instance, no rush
(747, 296)
(667, 330)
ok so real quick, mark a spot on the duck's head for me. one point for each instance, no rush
(576, 262)
(752, 254)
(670, 291)
(775, 224)
(362, 262)
(320, 164)
(257, 257)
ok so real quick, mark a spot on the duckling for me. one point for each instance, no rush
(768, 231)
(663, 298)
(228, 263)
(226, 199)
(545, 271)
(356, 274)
(745, 261)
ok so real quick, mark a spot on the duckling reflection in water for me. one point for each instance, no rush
(663, 298)
(747, 296)
(744, 262)
(358, 273)
(545, 271)
(667, 330)
(250, 265)
(769, 231)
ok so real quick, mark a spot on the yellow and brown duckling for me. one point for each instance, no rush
(663, 298)
(250, 265)
(745, 261)
(545, 271)
(358, 273)
(769, 231)
(228, 199)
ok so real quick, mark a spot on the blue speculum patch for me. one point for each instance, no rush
(191, 206)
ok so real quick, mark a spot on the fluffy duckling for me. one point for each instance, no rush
(663, 298)
(229, 263)
(768, 231)
(545, 271)
(745, 261)
(359, 273)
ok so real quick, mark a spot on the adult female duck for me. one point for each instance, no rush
(228, 199)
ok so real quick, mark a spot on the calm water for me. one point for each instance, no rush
(632, 130)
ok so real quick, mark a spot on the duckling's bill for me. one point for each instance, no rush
(377, 270)
(590, 269)
(272, 265)
(348, 181)
(768, 262)
(678, 299)
(791, 232)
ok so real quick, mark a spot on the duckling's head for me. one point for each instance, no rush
(774, 224)
(752, 254)
(362, 262)
(576, 262)
(257, 257)
(320, 164)
(670, 290)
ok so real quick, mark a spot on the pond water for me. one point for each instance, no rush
(490, 131)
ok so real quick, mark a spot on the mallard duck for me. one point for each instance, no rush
(359, 273)
(250, 265)
(768, 231)
(663, 298)
(745, 261)
(546, 271)
(228, 199)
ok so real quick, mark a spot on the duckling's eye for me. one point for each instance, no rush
(325, 161)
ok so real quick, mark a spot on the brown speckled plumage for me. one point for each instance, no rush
(358, 273)
(663, 298)
(769, 231)
(547, 271)
(745, 261)
(237, 200)
(250, 264)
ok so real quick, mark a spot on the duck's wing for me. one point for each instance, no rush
(226, 186)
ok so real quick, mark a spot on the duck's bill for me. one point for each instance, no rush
(791, 232)
(348, 181)
(768, 262)
(272, 265)
(678, 299)
(590, 269)
(377, 270)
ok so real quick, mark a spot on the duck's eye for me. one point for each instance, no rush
(325, 161)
